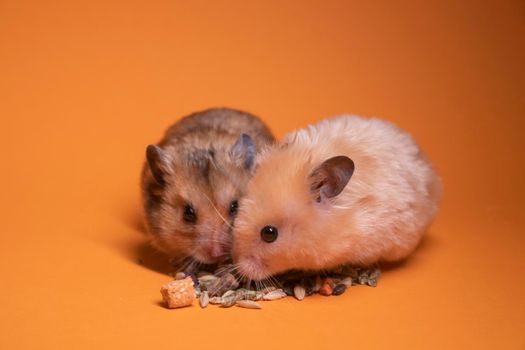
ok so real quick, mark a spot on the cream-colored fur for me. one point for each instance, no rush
(381, 214)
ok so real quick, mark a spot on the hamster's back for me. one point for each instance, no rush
(394, 188)
(219, 121)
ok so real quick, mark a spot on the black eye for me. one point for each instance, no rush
(234, 205)
(189, 214)
(269, 234)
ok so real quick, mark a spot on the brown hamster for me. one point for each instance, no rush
(345, 190)
(192, 180)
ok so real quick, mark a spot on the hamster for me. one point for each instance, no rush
(347, 190)
(193, 178)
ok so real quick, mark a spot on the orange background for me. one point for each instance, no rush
(86, 85)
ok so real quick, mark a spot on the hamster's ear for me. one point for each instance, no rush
(157, 163)
(242, 152)
(331, 177)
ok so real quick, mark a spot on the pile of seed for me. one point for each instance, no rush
(224, 289)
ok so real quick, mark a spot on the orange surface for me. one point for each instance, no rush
(85, 85)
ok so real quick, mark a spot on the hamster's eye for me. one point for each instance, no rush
(269, 234)
(189, 214)
(234, 206)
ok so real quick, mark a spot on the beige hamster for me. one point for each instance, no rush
(345, 190)
(192, 180)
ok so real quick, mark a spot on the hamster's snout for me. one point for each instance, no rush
(214, 250)
(251, 267)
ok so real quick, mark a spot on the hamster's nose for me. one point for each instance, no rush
(214, 251)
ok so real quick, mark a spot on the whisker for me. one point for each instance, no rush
(217, 211)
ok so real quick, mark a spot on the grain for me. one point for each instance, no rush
(204, 299)
(249, 304)
(299, 292)
(274, 295)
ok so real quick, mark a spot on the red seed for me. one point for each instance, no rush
(326, 289)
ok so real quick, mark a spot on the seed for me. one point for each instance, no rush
(229, 301)
(215, 300)
(207, 278)
(203, 273)
(245, 294)
(373, 277)
(250, 295)
(258, 295)
(299, 292)
(363, 279)
(372, 282)
(180, 276)
(249, 304)
(274, 295)
(221, 285)
(339, 289)
(228, 294)
(204, 299)
(326, 289)
(240, 293)
(347, 281)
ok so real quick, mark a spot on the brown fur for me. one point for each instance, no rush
(198, 165)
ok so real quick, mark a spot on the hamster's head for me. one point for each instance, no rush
(190, 197)
(283, 218)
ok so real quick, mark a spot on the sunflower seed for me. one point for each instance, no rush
(339, 289)
(373, 277)
(203, 273)
(215, 300)
(228, 301)
(204, 299)
(221, 285)
(207, 278)
(180, 276)
(299, 292)
(274, 295)
(249, 304)
(228, 294)
(245, 294)
(347, 281)
(363, 278)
